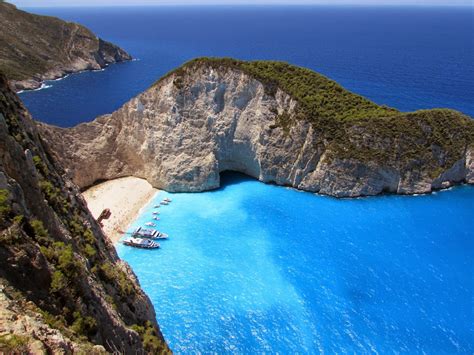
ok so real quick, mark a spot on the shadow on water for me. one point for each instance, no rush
(229, 178)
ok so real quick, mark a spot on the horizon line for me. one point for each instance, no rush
(250, 5)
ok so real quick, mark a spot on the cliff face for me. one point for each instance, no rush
(215, 115)
(35, 48)
(63, 287)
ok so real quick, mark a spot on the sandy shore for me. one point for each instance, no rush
(124, 197)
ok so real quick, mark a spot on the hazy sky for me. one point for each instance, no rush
(35, 3)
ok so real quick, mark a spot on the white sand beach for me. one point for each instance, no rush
(124, 197)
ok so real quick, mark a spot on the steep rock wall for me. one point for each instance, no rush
(202, 120)
(63, 288)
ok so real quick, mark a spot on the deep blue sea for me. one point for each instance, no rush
(408, 58)
(254, 268)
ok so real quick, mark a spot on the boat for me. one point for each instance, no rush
(164, 203)
(167, 199)
(145, 233)
(156, 218)
(150, 224)
(141, 243)
(156, 206)
(156, 213)
(149, 233)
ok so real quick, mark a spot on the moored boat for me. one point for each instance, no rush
(150, 224)
(141, 243)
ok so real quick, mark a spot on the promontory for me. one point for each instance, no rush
(35, 48)
(273, 121)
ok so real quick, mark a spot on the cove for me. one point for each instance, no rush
(256, 268)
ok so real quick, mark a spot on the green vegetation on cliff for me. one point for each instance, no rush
(53, 253)
(32, 45)
(351, 126)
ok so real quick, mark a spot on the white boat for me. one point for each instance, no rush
(156, 218)
(149, 233)
(167, 199)
(150, 224)
(156, 206)
(156, 213)
(145, 233)
(141, 243)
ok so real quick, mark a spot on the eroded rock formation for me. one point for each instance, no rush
(215, 115)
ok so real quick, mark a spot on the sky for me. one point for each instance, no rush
(46, 3)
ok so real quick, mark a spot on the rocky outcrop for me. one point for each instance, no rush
(215, 115)
(63, 288)
(35, 48)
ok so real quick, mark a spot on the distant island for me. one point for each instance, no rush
(35, 48)
(273, 121)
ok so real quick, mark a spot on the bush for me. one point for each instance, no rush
(41, 233)
(13, 344)
(4, 205)
(58, 281)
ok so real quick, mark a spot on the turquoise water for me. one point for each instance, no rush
(254, 268)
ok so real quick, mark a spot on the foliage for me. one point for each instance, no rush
(58, 281)
(41, 233)
(4, 205)
(114, 275)
(151, 341)
(13, 344)
(320, 98)
(83, 325)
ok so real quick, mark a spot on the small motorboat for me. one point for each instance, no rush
(164, 203)
(149, 233)
(156, 218)
(167, 199)
(141, 243)
(161, 236)
(156, 213)
(156, 206)
(145, 233)
(150, 224)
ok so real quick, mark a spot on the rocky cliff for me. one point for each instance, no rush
(273, 121)
(34, 48)
(62, 287)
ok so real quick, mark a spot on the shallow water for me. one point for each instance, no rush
(253, 268)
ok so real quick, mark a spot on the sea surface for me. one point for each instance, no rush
(254, 268)
(408, 58)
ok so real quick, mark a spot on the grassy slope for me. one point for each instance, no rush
(32, 44)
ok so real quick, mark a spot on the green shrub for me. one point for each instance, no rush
(83, 325)
(13, 344)
(41, 233)
(58, 281)
(4, 205)
(90, 251)
(151, 342)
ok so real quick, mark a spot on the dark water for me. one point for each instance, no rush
(409, 58)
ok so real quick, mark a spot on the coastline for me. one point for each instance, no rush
(125, 197)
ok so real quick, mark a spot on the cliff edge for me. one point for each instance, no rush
(35, 48)
(63, 288)
(273, 121)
